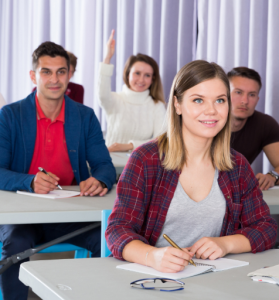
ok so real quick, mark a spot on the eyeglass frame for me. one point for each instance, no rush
(135, 284)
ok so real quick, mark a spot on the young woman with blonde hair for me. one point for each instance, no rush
(189, 184)
(136, 114)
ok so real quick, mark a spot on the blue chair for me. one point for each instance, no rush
(63, 247)
(104, 248)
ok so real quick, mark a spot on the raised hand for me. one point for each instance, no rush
(110, 48)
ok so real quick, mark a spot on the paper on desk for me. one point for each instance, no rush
(263, 279)
(222, 264)
(276, 187)
(269, 272)
(189, 271)
(56, 194)
(217, 265)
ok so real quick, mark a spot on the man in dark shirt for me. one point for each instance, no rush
(253, 131)
(74, 91)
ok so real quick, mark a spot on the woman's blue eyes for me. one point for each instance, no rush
(201, 101)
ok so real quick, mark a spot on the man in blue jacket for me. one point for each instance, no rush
(49, 130)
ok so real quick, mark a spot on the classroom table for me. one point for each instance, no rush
(119, 160)
(271, 197)
(21, 209)
(98, 278)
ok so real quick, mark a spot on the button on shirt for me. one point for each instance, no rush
(50, 150)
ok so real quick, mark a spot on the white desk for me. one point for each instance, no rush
(271, 197)
(119, 160)
(21, 209)
(98, 278)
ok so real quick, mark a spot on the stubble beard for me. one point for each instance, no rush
(51, 97)
(240, 118)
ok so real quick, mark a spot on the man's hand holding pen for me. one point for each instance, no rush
(43, 183)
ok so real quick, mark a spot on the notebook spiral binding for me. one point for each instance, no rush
(204, 265)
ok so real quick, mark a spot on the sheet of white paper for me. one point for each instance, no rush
(263, 279)
(220, 264)
(56, 194)
(270, 272)
(276, 187)
(189, 271)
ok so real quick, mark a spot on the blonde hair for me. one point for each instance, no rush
(156, 88)
(171, 144)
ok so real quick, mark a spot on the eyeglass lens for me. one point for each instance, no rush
(158, 283)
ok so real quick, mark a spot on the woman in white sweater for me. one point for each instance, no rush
(136, 114)
(2, 101)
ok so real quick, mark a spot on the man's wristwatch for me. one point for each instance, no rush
(275, 175)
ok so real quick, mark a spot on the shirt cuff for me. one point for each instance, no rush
(106, 69)
(132, 142)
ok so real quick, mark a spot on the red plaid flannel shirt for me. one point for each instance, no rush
(145, 190)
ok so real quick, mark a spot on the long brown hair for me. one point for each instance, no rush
(171, 143)
(156, 88)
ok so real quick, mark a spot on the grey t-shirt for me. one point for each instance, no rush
(187, 221)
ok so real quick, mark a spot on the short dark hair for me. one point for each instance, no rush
(73, 60)
(247, 73)
(49, 49)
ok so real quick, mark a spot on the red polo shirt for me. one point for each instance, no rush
(50, 150)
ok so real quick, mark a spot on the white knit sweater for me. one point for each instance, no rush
(132, 117)
(2, 101)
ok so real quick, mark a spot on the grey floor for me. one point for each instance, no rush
(33, 296)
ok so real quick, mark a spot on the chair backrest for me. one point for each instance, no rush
(104, 247)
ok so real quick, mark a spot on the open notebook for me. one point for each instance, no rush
(56, 194)
(203, 266)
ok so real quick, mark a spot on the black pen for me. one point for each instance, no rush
(44, 171)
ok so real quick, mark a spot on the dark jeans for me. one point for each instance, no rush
(17, 238)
